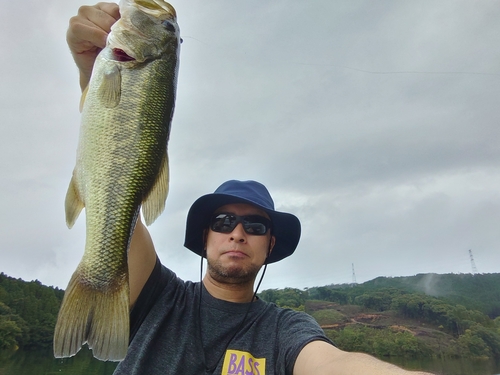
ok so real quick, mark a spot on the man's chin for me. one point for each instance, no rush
(233, 274)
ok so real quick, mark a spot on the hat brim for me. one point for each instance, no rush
(285, 227)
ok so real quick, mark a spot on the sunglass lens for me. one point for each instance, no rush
(252, 224)
(255, 228)
(255, 225)
(223, 223)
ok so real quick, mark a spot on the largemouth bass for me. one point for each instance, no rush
(122, 164)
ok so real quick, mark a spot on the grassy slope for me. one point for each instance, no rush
(334, 317)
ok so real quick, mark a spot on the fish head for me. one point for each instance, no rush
(147, 30)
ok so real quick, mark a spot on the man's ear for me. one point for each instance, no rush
(205, 237)
(272, 242)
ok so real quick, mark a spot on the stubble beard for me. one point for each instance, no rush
(232, 275)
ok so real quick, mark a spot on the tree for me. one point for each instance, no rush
(10, 332)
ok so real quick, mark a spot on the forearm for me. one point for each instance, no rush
(319, 357)
(363, 364)
(141, 260)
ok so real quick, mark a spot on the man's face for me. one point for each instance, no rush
(237, 257)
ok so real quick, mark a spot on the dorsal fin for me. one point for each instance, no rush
(84, 96)
(154, 204)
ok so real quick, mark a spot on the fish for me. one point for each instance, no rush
(121, 167)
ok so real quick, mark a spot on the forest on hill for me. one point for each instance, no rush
(474, 291)
(28, 313)
(424, 315)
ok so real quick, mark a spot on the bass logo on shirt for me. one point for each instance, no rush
(242, 363)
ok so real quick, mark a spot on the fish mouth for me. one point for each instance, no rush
(157, 8)
(121, 55)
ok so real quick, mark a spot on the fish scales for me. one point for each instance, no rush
(138, 158)
(122, 164)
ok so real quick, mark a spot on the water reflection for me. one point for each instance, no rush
(450, 366)
(43, 363)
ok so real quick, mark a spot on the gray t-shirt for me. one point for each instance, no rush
(171, 333)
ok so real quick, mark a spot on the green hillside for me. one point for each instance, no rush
(28, 312)
(419, 316)
(427, 315)
(475, 291)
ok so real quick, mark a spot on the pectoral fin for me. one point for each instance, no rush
(110, 89)
(154, 204)
(73, 203)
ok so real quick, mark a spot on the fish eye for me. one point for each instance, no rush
(168, 25)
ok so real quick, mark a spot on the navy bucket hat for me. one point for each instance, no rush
(285, 226)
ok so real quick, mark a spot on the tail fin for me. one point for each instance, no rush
(96, 317)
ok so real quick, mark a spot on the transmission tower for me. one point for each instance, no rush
(474, 269)
(353, 276)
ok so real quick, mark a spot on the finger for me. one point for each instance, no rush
(91, 26)
(103, 15)
(83, 36)
(111, 9)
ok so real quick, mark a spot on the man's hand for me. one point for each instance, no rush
(87, 35)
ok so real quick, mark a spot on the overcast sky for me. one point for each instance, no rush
(375, 122)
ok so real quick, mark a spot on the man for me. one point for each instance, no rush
(218, 325)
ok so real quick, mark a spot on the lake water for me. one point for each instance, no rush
(38, 363)
(450, 366)
(43, 363)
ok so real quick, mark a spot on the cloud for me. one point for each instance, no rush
(374, 122)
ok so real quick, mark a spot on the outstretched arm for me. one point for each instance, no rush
(319, 357)
(86, 37)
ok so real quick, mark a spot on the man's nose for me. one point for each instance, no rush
(238, 234)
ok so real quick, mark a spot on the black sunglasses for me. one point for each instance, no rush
(252, 224)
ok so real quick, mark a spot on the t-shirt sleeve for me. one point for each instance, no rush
(296, 330)
(157, 281)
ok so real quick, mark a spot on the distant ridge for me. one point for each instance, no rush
(426, 315)
(474, 291)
